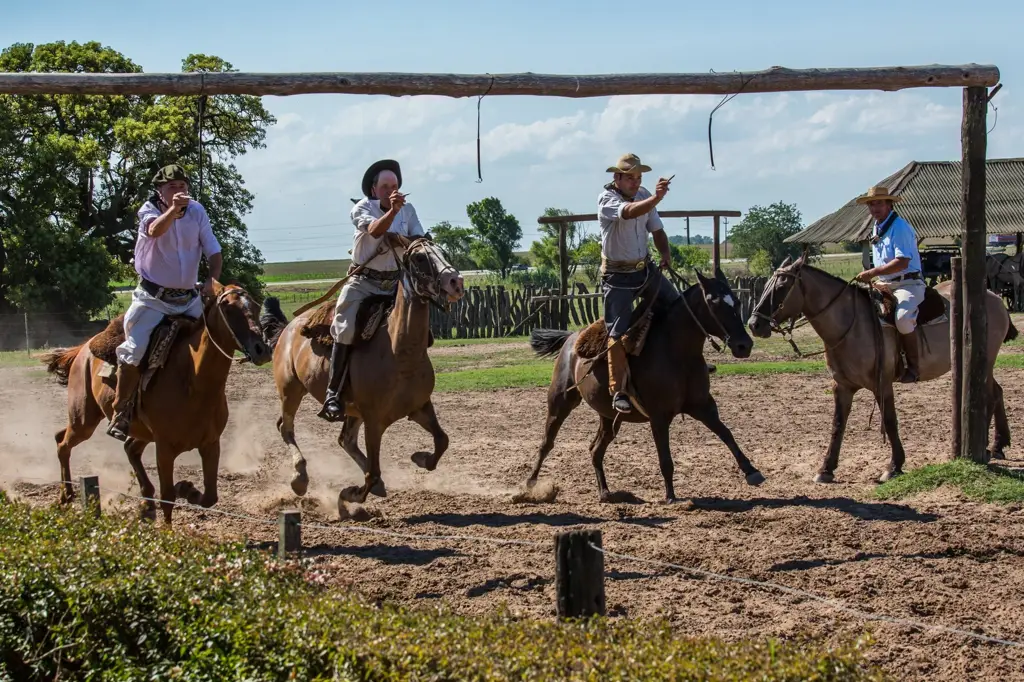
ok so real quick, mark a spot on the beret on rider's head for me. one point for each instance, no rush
(169, 173)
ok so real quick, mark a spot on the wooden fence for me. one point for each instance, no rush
(494, 311)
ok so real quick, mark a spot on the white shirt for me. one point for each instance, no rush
(172, 259)
(621, 239)
(364, 245)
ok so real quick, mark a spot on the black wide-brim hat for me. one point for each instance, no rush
(377, 167)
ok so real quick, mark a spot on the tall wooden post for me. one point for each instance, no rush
(974, 412)
(563, 266)
(715, 255)
(687, 230)
(956, 351)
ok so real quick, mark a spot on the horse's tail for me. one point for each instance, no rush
(548, 341)
(273, 320)
(1011, 331)
(58, 362)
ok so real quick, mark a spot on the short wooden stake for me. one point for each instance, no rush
(579, 574)
(90, 494)
(290, 525)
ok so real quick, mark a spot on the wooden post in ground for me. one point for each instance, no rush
(290, 527)
(579, 574)
(687, 230)
(974, 412)
(563, 268)
(715, 255)
(90, 494)
(956, 352)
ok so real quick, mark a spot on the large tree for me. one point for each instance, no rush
(74, 170)
(497, 235)
(765, 228)
(545, 250)
(456, 243)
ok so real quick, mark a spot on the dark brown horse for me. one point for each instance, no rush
(861, 353)
(670, 376)
(183, 408)
(390, 375)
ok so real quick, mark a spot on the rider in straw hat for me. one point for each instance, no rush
(897, 264)
(382, 211)
(627, 215)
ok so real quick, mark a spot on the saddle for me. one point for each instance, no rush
(104, 345)
(933, 309)
(372, 314)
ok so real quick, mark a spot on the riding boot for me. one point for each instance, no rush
(618, 369)
(912, 352)
(332, 410)
(127, 383)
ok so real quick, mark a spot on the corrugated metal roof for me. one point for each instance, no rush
(931, 192)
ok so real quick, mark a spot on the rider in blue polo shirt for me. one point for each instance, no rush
(897, 264)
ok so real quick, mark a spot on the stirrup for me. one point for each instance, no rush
(118, 429)
(332, 409)
(622, 403)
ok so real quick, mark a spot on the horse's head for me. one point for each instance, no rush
(428, 273)
(239, 313)
(781, 301)
(723, 311)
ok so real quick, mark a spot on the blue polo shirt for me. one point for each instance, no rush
(899, 241)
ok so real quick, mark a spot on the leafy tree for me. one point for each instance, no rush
(680, 239)
(545, 250)
(456, 244)
(588, 255)
(497, 235)
(74, 170)
(690, 257)
(760, 264)
(765, 229)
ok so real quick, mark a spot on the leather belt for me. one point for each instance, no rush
(909, 275)
(623, 266)
(165, 293)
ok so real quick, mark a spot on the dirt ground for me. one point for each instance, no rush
(939, 558)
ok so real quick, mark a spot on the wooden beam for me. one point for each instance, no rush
(974, 412)
(956, 352)
(590, 217)
(775, 79)
(716, 257)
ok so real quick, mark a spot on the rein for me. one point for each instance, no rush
(224, 319)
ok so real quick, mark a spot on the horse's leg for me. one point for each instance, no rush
(709, 417)
(843, 399)
(291, 398)
(1002, 436)
(605, 435)
(165, 456)
(373, 435)
(348, 439)
(80, 428)
(659, 428)
(134, 449)
(887, 404)
(560, 405)
(209, 454)
(427, 418)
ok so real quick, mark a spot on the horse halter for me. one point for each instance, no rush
(711, 311)
(425, 284)
(234, 337)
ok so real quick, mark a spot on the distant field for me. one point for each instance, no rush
(302, 270)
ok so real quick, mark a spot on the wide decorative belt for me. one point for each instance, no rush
(623, 266)
(380, 275)
(165, 293)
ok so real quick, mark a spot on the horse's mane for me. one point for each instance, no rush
(863, 291)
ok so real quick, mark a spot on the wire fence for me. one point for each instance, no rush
(89, 490)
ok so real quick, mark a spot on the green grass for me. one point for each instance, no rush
(19, 358)
(976, 481)
(533, 374)
(310, 269)
(109, 598)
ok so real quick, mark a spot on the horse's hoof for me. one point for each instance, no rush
(824, 477)
(185, 489)
(379, 490)
(755, 478)
(147, 512)
(424, 460)
(889, 475)
(300, 484)
(353, 493)
(997, 454)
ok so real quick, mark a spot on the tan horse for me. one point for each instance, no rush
(182, 408)
(845, 318)
(390, 376)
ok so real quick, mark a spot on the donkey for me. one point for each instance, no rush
(670, 376)
(862, 353)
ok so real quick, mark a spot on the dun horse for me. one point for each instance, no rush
(862, 353)
(182, 408)
(389, 376)
(670, 375)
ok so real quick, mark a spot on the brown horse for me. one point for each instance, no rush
(182, 408)
(670, 376)
(390, 376)
(862, 353)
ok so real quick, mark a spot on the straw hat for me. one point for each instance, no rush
(629, 164)
(878, 193)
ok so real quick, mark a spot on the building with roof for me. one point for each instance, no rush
(931, 193)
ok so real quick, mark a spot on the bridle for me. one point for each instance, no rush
(707, 303)
(234, 337)
(425, 284)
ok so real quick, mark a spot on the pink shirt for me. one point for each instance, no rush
(172, 259)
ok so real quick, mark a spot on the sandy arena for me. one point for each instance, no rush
(940, 558)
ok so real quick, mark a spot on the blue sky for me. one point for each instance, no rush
(816, 150)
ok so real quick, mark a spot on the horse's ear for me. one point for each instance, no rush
(799, 262)
(700, 276)
(721, 276)
(786, 262)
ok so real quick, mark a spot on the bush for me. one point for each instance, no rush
(760, 264)
(109, 599)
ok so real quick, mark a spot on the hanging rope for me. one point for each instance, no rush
(725, 100)
(479, 173)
